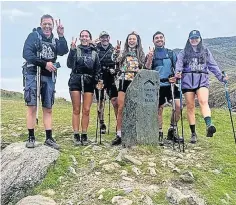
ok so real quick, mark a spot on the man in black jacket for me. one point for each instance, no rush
(108, 73)
(40, 52)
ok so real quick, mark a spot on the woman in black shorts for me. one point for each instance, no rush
(84, 62)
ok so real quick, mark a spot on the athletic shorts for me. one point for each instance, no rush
(76, 85)
(111, 91)
(165, 94)
(125, 85)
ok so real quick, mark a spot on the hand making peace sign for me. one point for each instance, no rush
(151, 53)
(60, 28)
(118, 46)
(73, 43)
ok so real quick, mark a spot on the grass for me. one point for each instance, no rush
(219, 151)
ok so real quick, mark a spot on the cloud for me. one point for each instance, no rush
(12, 84)
(85, 5)
(14, 13)
(48, 10)
(122, 17)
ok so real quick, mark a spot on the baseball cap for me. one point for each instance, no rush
(194, 34)
(103, 33)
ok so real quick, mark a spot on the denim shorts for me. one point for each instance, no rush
(47, 90)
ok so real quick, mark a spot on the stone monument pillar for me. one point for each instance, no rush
(140, 120)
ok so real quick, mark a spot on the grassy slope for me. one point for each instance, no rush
(220, 150)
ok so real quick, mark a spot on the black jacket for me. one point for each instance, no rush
(84, 64)
(46, 47)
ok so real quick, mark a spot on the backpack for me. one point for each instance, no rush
(79, 53)
(40, 39)
(171, 57)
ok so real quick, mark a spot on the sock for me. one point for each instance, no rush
(31, 132)
(119, 133)
(192, 128)
(160, 129)
(48, 134)
(84, 132)
(207, 121)
(76, 134)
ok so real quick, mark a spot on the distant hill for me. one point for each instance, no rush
(224, 52)
(11, 95)
(6, 94)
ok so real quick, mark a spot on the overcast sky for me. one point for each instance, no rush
(174, 19)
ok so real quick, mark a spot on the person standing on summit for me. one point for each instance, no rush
(41, 49)
(108, 74)
(163, 60)
(193, 66)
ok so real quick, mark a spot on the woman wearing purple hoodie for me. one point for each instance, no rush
(193, 66)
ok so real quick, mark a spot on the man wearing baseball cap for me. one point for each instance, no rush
(105, 50)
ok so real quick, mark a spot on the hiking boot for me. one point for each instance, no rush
(84, 140)
(193, 138)
(210, 130)
(178, 139)
(116, 141)
(31, 142)
(170, 134)
(173, 135)
(103, 128)
(161, 143)
(51, 143)
(76, 139)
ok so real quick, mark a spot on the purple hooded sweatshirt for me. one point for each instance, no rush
(196, 75)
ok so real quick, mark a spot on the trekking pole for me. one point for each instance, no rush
(38, 78)
(229, 104)
(102, 112)
(109, 112)
(122, 80)
(82, 86)
(176, 135)
(98, 112)
(181, 112)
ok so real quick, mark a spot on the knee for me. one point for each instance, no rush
(47, 111)
(120, 109)
(203, 102)
(32, 110)
(190, 107)
(177, 107)
(160, 110)
(76, 111)
(86, 111)
(114, 102)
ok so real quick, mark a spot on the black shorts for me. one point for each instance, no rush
(75, 84)
(191, 90)
(111, 91)
(125, 85)
(165, 92)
